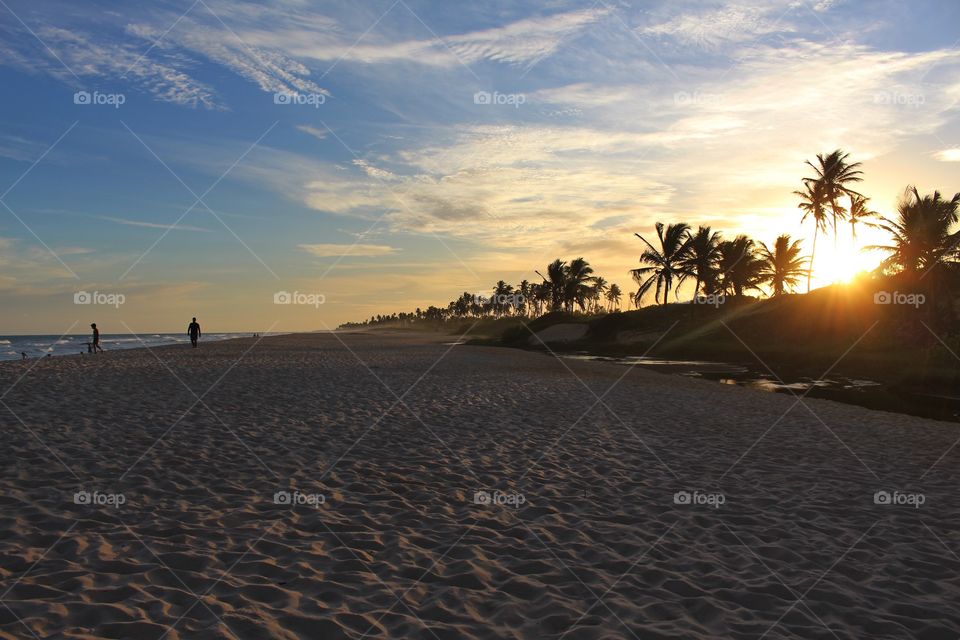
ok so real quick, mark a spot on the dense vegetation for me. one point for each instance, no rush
(922, 259)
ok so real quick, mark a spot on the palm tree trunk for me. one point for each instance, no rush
(813, 253)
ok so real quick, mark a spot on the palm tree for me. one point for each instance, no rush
(740, 268)
(666, 264)
(833, 172)
(613, 297)
(525, 291)
(921, 235)
(596, 292)
(557, 278)
(701, 261)
(859, 212)
(501, 293)
(812, 203)
(783, 266)
(577, 289)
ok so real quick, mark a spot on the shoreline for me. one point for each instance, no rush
(83, 339)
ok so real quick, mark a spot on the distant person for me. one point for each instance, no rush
(194, 331)
(95, 345)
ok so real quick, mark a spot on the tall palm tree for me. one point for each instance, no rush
(701, 260)
(501, 293)
(666, 264)
(578, 281)
(740, 268)
(613, 297)
(525, 291)
(557, 277)
(921, 234)
(813, 204)
(833, 173)
(783, 266)
(859, 212)
(596, 292)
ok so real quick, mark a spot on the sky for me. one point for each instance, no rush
(165, 160)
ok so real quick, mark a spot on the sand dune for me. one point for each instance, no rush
(404, 488)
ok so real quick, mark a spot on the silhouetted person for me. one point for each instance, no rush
(96, 339)
(194, 331)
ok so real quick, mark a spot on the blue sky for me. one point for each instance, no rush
(348, 149)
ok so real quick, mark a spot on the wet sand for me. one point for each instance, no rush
(389, 485)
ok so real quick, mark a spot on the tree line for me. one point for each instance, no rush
(922, 243)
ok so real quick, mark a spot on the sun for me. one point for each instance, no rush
(840, 264)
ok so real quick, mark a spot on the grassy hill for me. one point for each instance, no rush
(909, 342)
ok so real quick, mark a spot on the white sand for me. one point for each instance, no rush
(798, 549)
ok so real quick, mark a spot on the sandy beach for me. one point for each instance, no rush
(393, 485)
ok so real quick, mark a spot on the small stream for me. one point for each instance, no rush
(940, 404)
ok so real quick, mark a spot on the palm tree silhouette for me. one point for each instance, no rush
(596, 292)
(813, 204)
(740, 269)
(833, 172)
(783, 266)
(578, 278)
(701, 261)
(859, 212)
(921, 234)
(557, 278)
(613, 297)
(666, 264)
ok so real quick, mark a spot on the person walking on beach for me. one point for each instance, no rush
(96, 338)
(194, 331)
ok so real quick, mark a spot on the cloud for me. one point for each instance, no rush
(374, 172)
(78, 58)
(347, 250)
(730, 24)
(522, 41)
(319, 134)
(270, 69)
(152, 225)
(948, 155)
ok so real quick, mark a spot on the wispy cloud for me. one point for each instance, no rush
(153, 225)
(319, 134)
(355, 250)
(714, 28)
(948, 155)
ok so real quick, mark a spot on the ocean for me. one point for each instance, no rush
(12, 347)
